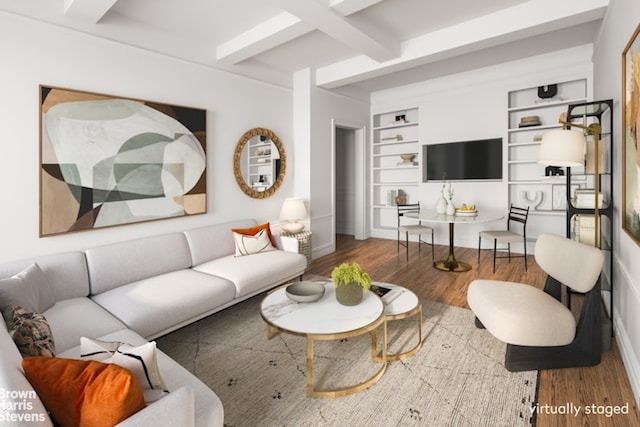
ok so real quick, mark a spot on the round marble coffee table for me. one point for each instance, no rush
(326, 319)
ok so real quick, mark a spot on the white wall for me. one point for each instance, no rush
(473, 105)
(35, 53)
(620, 23)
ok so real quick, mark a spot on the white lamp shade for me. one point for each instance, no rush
(293, 210)
(562, 147)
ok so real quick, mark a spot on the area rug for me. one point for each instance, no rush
(457, 378)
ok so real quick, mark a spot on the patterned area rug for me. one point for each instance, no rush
(457, 379)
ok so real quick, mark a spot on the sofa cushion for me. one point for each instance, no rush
(84, 393)
(29, 289)
(252, 231)
(257, 272)
(159, 304)
(31, 333)
(214, 241)
(66, 273)
(79, 317)
(208, 407)
(141, 360)
(249, 245)
(122, 263)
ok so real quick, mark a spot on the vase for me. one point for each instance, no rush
(349, 293)
(451, 210)
(441, 205)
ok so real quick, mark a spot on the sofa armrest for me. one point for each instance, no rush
(175, 409)
(287, 243)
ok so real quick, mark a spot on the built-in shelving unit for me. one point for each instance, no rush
(527, 183)
(395, 159)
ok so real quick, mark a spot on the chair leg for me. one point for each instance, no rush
(495, 248)
(433, 251)
(407, 242)
(419, 242)
(525, 254)
(509, 251)
(479, 243)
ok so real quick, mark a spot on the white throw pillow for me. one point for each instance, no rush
(28, 289)
(247, 245)
(141, 361)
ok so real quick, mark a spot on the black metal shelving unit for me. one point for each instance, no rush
(600, 113)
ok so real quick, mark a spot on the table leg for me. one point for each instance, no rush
(451, 263)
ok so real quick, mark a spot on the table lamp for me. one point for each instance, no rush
(293, 210)
(565, 147)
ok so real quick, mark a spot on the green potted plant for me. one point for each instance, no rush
(350, 282)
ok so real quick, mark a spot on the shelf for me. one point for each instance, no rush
(540, 105)
(394, 126)
(523, 144)
(396, 184)
(532, 128)
(396, 168)
(409, 141)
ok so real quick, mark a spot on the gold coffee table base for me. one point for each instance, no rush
(400, 356)
(343, 391)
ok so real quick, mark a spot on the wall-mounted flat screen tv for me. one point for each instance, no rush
(464, 160)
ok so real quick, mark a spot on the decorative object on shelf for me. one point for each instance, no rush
(305, 291)
(559, 197)
(407, 159)
(553, 171)
(527, 121)
(351, 282)
(108, 160)
(293, 210)
(401, 198)
(548, 91)
(400, 119)
(531, 199)
(392, 138)
(586, 199)
(631, 135)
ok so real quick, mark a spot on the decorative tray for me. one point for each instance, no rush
(466, 213)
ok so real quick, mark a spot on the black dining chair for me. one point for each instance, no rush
(412, 229)
(510, 235)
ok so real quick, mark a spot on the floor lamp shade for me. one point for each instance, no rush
(293, 210)
(562, 147)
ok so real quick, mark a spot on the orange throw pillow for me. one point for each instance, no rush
(84, 393)
(255, 230)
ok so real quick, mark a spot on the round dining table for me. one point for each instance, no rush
(451, 263)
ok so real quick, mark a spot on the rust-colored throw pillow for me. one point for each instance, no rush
(84, 393)
(252, 231)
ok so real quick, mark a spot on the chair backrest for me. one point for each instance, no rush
(405, 209)
(572, 263)
(520, 215)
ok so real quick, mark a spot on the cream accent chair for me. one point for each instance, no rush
(540, 332)
(508, 236)
(413, 229)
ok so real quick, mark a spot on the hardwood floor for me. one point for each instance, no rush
(599, 388)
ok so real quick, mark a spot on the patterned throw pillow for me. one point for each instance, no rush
(31, 333)
(141, 361)
(248, 245)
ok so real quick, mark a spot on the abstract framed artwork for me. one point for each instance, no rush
(631, 137)
(108, 161)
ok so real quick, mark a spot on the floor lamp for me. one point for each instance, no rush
(566, 148)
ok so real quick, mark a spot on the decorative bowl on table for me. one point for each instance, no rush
(466, 210)
(305, 291)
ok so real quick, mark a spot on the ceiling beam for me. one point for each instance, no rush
(278, 30)
(379, 47)
(514, 23)
(88, 10)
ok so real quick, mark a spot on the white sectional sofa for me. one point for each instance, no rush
(138, 290)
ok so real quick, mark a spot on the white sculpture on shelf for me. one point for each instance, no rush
(531, 199)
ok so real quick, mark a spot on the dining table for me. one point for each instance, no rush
(451, 263)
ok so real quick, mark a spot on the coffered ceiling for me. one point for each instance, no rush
(365, 44)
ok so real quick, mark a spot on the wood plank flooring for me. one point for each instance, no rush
(604, 386)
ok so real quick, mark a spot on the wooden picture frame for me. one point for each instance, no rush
(108, 161)
(630, 136)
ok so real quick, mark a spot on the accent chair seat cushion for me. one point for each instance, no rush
(415, 229)
(502, 236)
(521, 314)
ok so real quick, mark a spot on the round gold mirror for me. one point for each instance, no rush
(259, 163)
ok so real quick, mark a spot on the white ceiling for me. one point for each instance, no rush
(364, 44)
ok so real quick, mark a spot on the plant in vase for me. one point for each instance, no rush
(350, 282)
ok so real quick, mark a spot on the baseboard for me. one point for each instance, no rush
(629, 358)
(322, 251)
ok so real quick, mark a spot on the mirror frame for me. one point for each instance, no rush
(237, 156)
